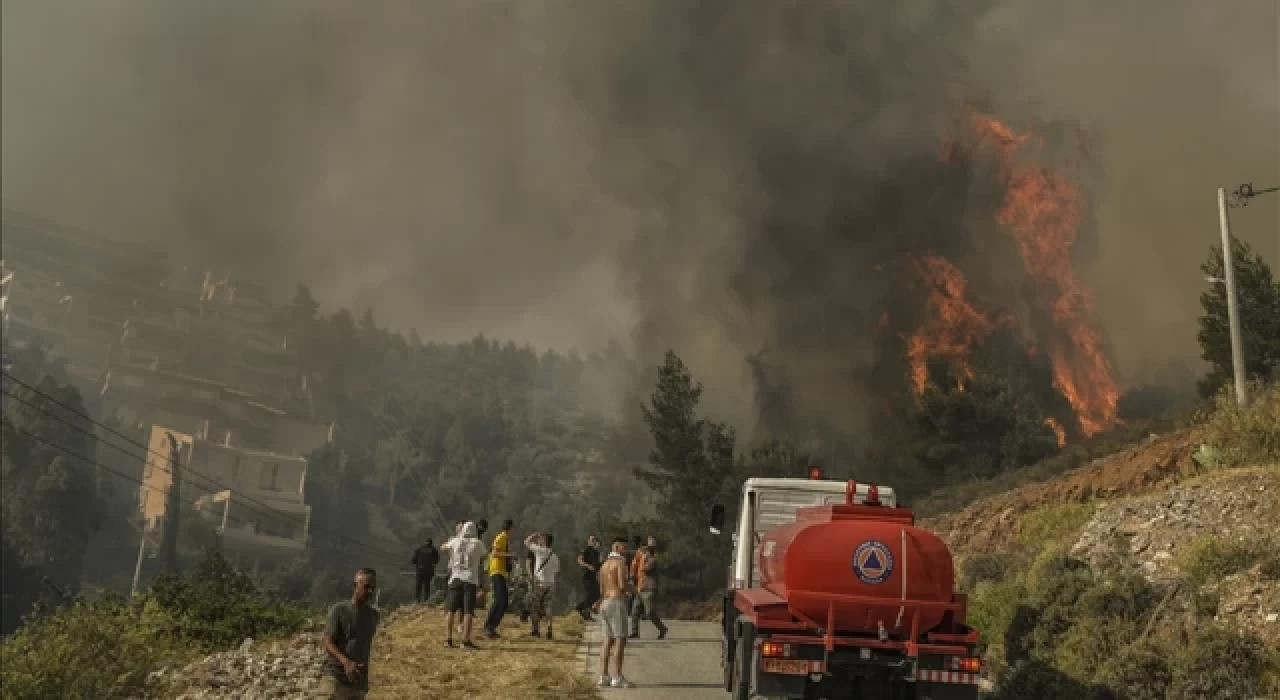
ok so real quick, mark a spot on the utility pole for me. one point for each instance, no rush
(137, 568)
(169, 545)
(1233, 307)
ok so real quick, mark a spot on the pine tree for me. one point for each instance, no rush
(1258, 295)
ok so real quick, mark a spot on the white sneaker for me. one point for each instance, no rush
(621, 682)
(605, 682)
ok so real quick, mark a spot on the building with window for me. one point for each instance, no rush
(252, 499)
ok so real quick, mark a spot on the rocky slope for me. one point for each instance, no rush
(1205, 528)
(993, 523)
(1148, 509)
(409, 662)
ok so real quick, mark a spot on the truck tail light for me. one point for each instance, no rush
(775, 650)
(815, 473)
(967, 664)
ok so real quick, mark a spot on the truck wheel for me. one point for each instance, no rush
(742, 667)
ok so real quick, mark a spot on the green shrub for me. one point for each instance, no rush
(1090, 642)
(107, 648)
(1137, 672)
(1205, 603)
(1041, 681)
(1130, 597)
(1218, 664)
(215, 607)
(1246, 436)
(981, 569)
(1052, 524)
(1210, 557)
(1053, 567)
(991, 609)
(103, 649)
(1108, 618)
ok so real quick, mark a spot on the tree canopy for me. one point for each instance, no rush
(1258, 297)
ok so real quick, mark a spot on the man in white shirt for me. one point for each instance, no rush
(467, 555)
(546, 565)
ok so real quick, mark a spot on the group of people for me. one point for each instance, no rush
(471, 562)
(619, 587)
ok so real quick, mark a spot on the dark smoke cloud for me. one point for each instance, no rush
(716, 177)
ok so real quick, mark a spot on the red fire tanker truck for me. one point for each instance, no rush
(834, 593)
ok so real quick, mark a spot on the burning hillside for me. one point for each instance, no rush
(1042, 210)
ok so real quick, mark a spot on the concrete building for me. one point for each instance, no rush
(252, 499)
(209, 410)
(73, 291)
(166, 345)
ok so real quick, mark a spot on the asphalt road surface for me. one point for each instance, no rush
(684, 666)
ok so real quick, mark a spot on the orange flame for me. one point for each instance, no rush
(955, 324)
(1043, 210)
(1057, 429)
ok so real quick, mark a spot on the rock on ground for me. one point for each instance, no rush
(1147, 535)
(290, 669)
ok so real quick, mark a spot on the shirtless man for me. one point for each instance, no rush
(614, 615)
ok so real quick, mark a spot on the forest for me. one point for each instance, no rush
(563, 442)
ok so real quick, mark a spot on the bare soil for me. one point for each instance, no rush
(992, 524)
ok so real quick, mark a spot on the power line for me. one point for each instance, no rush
(333, 547)
(1245, 192)
(261, 509)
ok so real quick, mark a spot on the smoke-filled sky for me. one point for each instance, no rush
(716, 177)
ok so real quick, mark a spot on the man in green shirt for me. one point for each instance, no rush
(348, 641)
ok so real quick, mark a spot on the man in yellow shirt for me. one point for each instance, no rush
(499, 566)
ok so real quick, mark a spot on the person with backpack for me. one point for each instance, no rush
(542, 588)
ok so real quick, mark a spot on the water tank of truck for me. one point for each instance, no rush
(867, 559)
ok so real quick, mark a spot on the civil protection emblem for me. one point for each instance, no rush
(872, 562)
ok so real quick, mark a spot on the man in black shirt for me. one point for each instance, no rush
(425, 559)
(589, 560)
(348, 640)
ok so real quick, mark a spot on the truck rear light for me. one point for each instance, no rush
(815, 473)
(967, 664)
(775, 650)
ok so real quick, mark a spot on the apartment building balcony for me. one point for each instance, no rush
(256, 527)
(70, 253)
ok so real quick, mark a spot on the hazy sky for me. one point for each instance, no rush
(570, 171)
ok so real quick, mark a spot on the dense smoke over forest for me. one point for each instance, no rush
(754, 179)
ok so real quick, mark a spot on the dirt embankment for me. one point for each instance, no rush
(992, 524)
(1208, 535)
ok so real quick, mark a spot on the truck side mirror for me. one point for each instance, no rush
(717, 519)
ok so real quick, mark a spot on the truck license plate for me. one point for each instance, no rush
(787, 667)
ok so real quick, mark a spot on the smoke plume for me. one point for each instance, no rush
(721, 178)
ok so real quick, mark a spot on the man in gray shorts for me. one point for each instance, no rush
(614, 614)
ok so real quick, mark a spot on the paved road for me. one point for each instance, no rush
(684, 666)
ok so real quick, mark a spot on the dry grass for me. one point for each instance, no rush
(411, 661)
